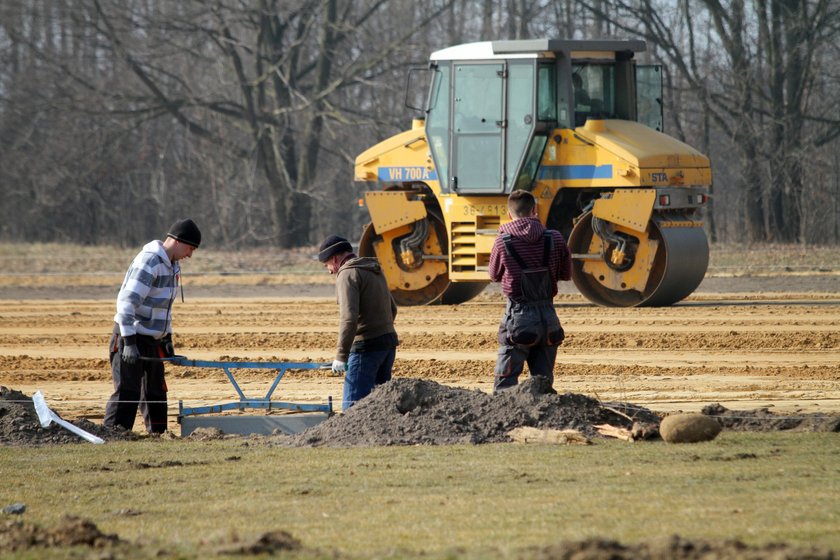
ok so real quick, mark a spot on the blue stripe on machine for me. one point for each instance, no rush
(391, 174)
(576, 172)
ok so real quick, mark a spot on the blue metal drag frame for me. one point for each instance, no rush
(248, 402)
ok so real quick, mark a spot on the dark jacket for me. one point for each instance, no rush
(366, 308)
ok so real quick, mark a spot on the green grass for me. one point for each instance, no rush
(480, 501)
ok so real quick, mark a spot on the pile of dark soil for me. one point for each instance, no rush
(19, 424)
(675, 548)
(420, 412)
(762, 420)
(73, 533)
(70, 531)
(267, 543)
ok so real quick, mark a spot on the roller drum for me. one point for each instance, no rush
(678, 267)
(424, 295)
(685, 251)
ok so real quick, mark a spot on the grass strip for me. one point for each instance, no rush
(490, 500)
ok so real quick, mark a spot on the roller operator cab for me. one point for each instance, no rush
(577, 123)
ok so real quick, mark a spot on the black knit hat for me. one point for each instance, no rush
(333, 245)
(185, 231)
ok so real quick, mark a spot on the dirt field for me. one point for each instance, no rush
(739, 342)
(765, 346)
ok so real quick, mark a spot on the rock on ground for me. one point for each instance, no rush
(688, 428)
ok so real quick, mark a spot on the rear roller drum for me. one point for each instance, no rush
(662, 266)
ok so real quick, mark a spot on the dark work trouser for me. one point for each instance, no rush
(141, 383)
(536, 323)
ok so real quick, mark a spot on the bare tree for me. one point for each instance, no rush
(259, 82)
(760, 94)
(117, 116)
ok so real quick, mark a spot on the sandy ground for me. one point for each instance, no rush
(732, 342)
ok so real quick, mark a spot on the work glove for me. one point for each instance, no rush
(339, 367)
(130, 353)
(166, 346)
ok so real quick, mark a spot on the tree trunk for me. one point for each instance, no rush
(300, 210)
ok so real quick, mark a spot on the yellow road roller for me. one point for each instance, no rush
(576, 122)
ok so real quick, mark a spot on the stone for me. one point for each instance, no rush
(14, 509)
(688, 428)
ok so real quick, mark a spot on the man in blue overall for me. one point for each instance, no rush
(528, 260)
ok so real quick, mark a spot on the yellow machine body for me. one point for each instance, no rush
(642, 186)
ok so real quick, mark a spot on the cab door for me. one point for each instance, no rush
(478, 125)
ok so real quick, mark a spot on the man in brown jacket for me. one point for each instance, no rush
(367, 340)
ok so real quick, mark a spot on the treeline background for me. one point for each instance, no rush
(119, 116)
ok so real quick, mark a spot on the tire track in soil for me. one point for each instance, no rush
(732, 346)
(732, 340)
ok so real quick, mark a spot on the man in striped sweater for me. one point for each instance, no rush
(143, 328)
(528, 260)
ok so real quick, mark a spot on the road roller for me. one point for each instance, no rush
(578, 123)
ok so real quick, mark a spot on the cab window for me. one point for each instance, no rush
(594, 91)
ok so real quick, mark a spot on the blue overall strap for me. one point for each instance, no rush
(506, 239)
(548, 244)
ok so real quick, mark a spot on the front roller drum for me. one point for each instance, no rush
(670, 261)
(410, 285)
(420, 282)
(461, 292)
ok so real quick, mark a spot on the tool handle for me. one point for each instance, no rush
(76, 430)
(175, 358)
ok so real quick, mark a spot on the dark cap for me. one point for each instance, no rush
(185, 231)
(333, 245)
